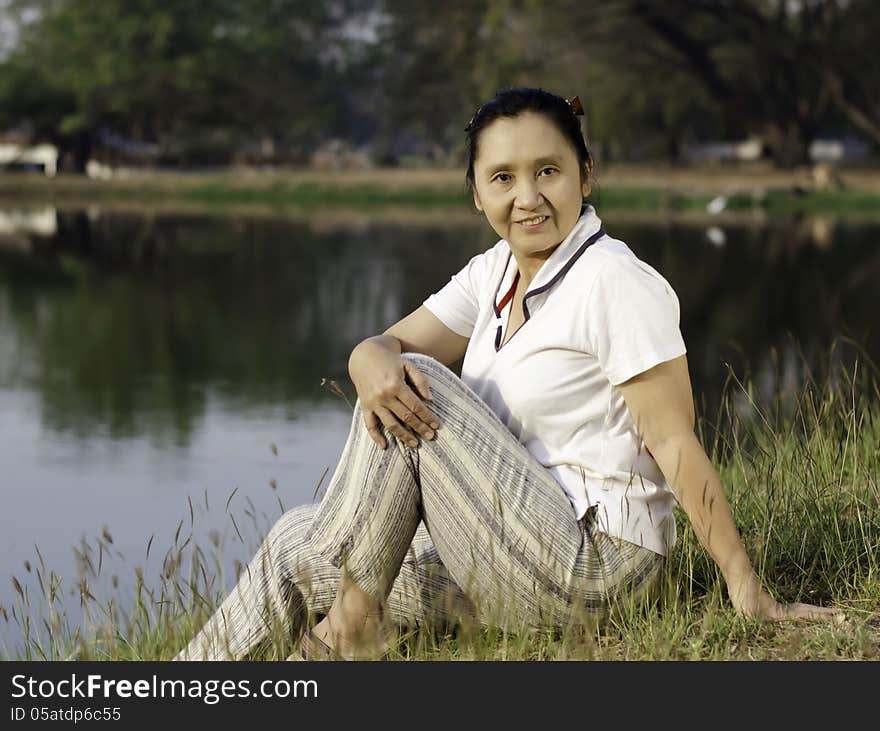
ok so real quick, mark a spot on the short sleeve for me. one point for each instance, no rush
(633, 319)
(457, 304)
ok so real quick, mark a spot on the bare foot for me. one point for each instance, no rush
(361, 640)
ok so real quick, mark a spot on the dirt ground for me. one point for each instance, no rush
(689, 179)
(730, 178)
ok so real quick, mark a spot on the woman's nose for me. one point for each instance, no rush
(527, 194)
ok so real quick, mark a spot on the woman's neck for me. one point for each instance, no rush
(529, 267)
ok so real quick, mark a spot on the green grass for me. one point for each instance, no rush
(387, 188)
(772, 201)
(803, 478)
(822, 202)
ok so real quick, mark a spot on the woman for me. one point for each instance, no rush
(539, 487)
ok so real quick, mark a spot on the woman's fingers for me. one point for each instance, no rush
(400, 409)
(422, 419)
(809, 611)
(372, 423)
(418, 380)
(404, 420)
(391, 423)
(411, 410)
(763, 606)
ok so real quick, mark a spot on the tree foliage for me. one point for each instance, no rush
(784, 71)
(200, 78)
(191, 75)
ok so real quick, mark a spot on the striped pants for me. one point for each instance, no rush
(467, 525)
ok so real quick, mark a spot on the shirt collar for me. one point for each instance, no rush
(586, 226)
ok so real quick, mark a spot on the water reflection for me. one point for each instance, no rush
(775, 290)
(121, 322)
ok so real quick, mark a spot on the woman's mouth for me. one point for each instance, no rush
(535, 222)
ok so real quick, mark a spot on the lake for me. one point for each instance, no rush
(159, 367)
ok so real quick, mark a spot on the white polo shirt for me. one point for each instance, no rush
(595, 316)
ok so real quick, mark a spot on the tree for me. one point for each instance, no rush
(202, 78)
(194, 76)
(780, 69)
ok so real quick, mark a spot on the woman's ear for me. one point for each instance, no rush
(586, 181)
(477, 204)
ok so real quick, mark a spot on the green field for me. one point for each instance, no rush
(647, 191)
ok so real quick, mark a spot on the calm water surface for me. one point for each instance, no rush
(164, 368)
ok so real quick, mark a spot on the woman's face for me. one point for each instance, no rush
(528, 183)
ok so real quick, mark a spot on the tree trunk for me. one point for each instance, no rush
(789, 144)
(74, 153)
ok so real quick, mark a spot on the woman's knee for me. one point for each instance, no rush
(291, 527)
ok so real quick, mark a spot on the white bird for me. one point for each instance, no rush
(717, 204)
(716, 236)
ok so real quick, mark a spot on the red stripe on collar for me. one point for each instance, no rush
(509, 296)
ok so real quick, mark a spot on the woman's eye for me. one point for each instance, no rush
(502, 178)
(548, 171)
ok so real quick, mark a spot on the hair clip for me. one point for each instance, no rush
(576, 107)
(470, 124)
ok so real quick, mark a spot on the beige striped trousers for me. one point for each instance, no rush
(467, 525)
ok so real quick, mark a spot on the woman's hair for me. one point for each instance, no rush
(512, 102)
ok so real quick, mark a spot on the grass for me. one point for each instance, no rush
(771, 202)
(304, 189)
(656, 191)
(803, 478)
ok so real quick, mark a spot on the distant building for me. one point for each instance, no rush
(746, 150)
(17, 154)
(820, 150)
(838, 150)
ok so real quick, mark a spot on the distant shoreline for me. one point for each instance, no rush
(639, 188)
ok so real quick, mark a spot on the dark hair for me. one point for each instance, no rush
(511, 102)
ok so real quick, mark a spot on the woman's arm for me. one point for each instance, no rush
(390, 388)
(422, 331)
(661, 403)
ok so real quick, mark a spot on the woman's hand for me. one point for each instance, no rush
(391, 390)
(662, 407)
(750, 600)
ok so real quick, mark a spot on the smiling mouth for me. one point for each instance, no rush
(533, 221)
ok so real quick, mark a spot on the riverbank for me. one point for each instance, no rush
(638, 188)
(801, 478)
